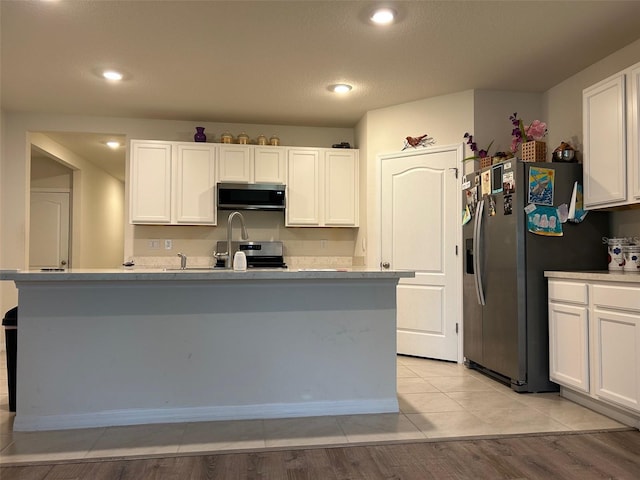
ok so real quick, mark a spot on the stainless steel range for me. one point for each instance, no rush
(259, 254)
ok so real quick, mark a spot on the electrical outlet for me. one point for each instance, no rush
(323, 244)
(168, 244)
(154, 244)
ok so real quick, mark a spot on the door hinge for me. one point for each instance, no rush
(456, 250)
(456, 328)
(455, 170)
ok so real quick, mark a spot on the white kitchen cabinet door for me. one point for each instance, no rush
(341, 197)
(604, 130)
(269, 164)
(616, 345)
(150, 182)
(195, 184)
(569, 345)
(303, 187)
(235, 163)
(633, 137)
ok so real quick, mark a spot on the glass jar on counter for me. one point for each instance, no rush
(631, 258)
(616, 256)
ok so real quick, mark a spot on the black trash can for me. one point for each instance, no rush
(10, 324)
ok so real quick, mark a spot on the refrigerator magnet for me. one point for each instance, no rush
(492, 206)
(541, 185)
(508, 204)
(508, 183)
(466, 215)
(486, 182)
(496, 180)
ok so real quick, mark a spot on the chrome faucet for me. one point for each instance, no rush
(245, 236)
(183, 261)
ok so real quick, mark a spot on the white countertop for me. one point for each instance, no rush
(160, 274)
(601, 275)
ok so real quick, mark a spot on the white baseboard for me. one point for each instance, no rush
(617, 413)
(26, 423)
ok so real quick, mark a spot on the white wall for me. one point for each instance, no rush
(563, 104)
(444, 118)
(97, 211)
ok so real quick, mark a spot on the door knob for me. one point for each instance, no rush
(385, 265)
(63, 262)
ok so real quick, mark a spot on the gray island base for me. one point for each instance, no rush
(103, 348)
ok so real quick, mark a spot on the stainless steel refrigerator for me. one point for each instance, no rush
(505, 292)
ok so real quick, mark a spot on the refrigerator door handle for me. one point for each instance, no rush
(478, 253)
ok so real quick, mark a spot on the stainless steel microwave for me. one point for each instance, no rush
(244, 196)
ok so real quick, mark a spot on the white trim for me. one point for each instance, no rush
(27, 423)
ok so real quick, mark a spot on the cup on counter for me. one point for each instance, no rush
(239, 261)
(631, 258)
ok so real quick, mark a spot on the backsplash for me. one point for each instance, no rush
(200, 241)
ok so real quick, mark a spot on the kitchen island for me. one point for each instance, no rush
(119, 347)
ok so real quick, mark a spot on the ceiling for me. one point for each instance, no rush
(271, 62)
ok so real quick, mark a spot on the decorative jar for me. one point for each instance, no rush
(274, 140)
(226, 137)
(631, 258)
(616, 255)
(262, 140)
(243, 139)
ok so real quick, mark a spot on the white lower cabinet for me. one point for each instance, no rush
(594, 340)
(616, 344)
(172, 183)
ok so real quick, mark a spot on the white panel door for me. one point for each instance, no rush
(341, 188)
(569, 345)
(605, 156)
(303, 187)
(49, 230)
(150, 189)
(235, 163)
(195, 184)
(420, 222)
(633, 101)
(617, 357)
(269, 164)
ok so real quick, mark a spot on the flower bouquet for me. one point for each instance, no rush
(529, 139)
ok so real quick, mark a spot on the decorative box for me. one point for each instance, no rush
(534, 151)
(485, 162)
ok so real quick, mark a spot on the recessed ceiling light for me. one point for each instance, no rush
(341, 88)
(383, 16)
(113, 144)
(112, 75)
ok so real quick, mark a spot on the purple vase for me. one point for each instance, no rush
(200, 136)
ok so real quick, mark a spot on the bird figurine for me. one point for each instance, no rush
(421, 141)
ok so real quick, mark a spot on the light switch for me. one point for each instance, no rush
(168, 244)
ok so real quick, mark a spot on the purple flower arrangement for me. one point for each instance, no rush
(477, 154)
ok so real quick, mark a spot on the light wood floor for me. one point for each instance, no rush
(610, 455)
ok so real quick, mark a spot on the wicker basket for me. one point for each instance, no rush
(534, 151)
(485, 162)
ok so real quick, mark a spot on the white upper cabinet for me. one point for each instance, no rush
(610, 129)
(150, 182)
(195, 185)
(251, 164)
(303, 187)
(322, 187)
(269, 164)
(341, 197)
(172, 183)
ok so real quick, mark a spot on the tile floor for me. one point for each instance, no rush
(437, 400)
